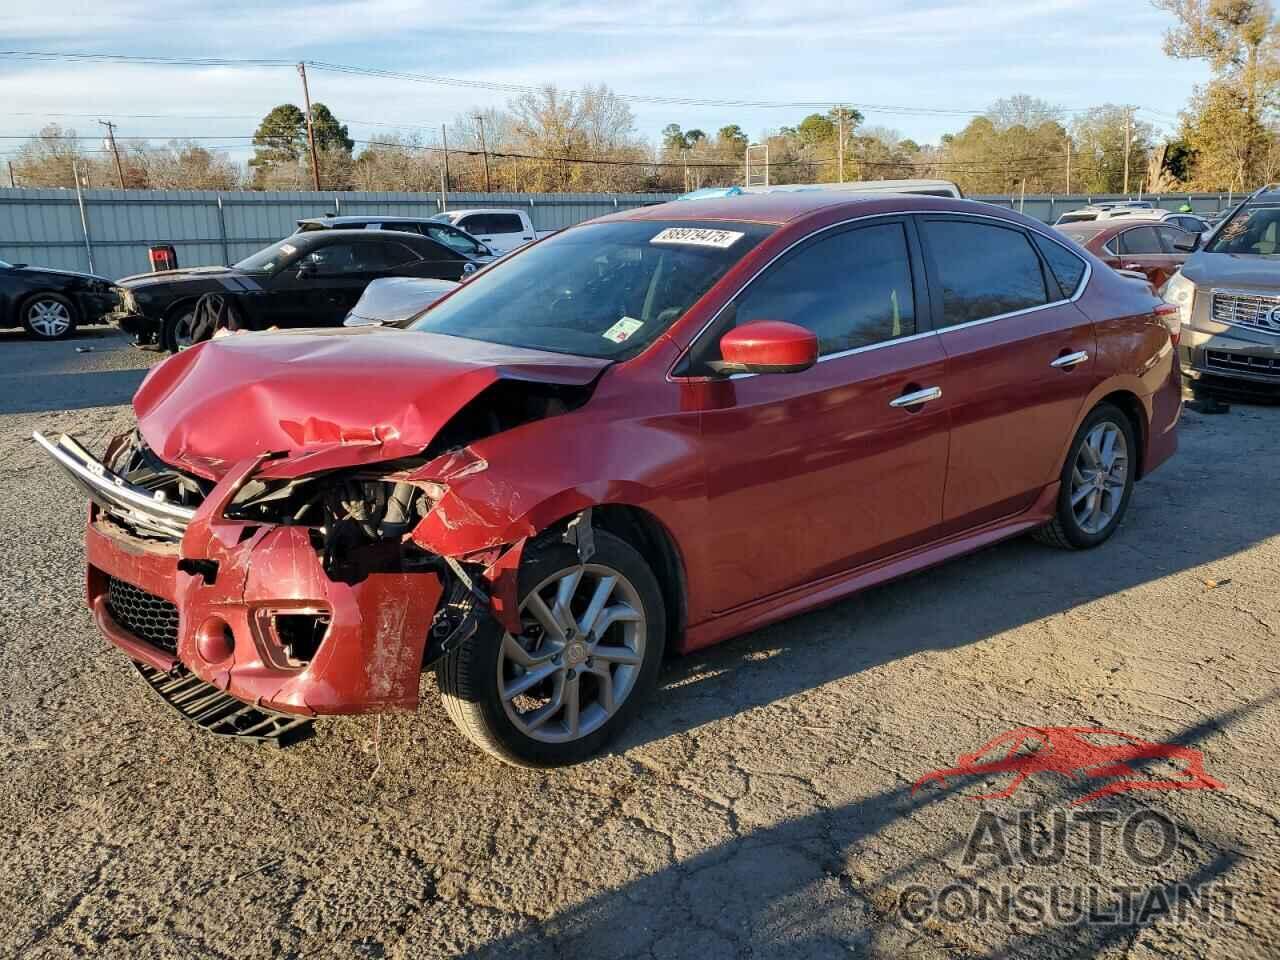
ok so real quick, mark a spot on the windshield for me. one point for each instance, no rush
(1082, 236)
(604, 290)
(269, 259)
(5, 263)
(1253, 231)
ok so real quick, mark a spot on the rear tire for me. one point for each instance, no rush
(49, 316)
(1096, 482)
(603, 663)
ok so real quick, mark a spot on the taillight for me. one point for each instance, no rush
(1172, 318)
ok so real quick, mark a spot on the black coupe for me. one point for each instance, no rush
(310, 279)
(49, 303)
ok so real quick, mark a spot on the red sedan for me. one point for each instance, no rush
(1149, 247)
(654, 430)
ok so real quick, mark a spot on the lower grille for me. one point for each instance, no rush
(210, 709)
(1242, 363)
(145, 615)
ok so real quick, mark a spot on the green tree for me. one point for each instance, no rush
(281, 137)
(1240, 40)
(1098, 141)
(329, 133)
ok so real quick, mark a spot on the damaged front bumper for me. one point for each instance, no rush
(248, 607)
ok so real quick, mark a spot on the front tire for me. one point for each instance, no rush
(1097, 481)
(589, 650)
(49, 316)
(176, 333)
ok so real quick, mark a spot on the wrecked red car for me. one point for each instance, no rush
(649, 432)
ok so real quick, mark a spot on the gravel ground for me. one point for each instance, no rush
(761, 806)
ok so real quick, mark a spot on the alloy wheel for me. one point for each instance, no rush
(1099, 476)
(49, 318)
(578, 655)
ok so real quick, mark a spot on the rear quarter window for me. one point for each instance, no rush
(1066, 267)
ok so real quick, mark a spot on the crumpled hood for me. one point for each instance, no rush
(1233, 269)
(325, 398)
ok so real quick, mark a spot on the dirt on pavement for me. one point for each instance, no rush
(761, 806)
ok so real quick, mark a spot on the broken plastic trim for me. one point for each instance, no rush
(219, 713)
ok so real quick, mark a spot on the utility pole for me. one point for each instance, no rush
(1068, 165)
(1128, 136)
(484, 149)
(840, 141)
(444, 140)
(111, 139)
(12, 181)
(311, 130)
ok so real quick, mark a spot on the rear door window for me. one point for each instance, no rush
(1140, 241)
(1169, 235)
(983, 269)
(504, 223)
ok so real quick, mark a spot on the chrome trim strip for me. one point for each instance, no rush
(916, 398)
(1070, 360)
(1079, 292)
(113, 493)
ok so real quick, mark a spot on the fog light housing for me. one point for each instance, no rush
(300, 634)
(215, 640)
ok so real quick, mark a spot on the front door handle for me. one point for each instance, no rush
(1069, 360)
(917, 397)
(1132, 266)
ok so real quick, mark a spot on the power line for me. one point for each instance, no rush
(496, 86)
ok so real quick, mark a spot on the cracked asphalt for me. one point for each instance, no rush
(762, 806)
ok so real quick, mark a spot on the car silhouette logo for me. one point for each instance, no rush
(1077, 753)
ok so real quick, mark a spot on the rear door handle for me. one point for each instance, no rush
(917, 397)
(1069, 360)
(1132, 266)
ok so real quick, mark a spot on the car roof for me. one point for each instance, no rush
(369, 218)
(786, 206)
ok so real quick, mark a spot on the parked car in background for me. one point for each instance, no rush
(1106, 211)
(1188, 222)
(657, 429)
(1134, 244)
(446, 233)
(927, 188)
(395, 301)
(1228, 299)
(500, 230)
(309, 279)
(49, 303)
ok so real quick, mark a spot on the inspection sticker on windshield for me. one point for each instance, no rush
(289, 249)
(623, 329)
(698, 237)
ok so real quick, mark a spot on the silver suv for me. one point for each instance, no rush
(1228, 299)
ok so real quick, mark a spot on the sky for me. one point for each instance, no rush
(898, 63)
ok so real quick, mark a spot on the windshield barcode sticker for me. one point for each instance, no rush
(698, 237)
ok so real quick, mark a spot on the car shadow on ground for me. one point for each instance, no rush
(1000, 588)
(50, 376)
(798, 889)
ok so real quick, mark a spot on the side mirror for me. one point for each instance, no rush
(767, 346)
(1190, 245)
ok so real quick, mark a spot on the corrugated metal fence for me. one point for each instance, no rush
(107, 231)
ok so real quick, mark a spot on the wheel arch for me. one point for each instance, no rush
(25, 301)
(644, 531)
(1132, 407)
